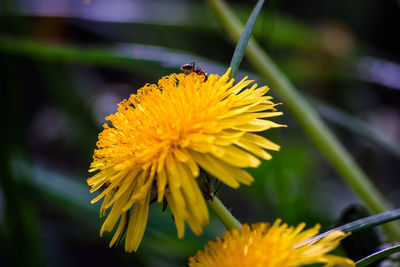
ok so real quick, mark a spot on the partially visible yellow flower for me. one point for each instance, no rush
(278, 245)
(162, 136)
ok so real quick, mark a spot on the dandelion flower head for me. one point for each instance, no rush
(279, 245)
(164, 135)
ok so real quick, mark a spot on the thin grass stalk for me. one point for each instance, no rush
(244, 39)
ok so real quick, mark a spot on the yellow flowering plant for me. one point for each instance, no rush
(185, 136)
(276, 245)
(166, 140)
(164, 135)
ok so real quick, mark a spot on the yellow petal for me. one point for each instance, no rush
(179, 222)
(114, 214)
(121, 226)
(237, 157)
(137, 224)
(252, 148)
(260, 141)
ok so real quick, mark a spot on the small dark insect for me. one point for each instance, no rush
(188, 68)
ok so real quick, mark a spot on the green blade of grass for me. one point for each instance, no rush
(360, 224)
(378, 255)
(370, 221)
(244, 39)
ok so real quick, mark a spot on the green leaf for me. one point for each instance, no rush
(244, 39)
(358, 225)
(377, 256)
(370, 221)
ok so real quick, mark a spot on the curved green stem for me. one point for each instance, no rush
(223, 214)
(308, 118)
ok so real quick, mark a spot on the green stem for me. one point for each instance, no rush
(223, 214)
(308, 118)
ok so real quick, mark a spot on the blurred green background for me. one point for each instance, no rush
(65, 64)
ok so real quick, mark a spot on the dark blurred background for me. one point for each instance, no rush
(65, 64)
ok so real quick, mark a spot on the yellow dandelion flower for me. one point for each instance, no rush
(164, 135)
(278, 245)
